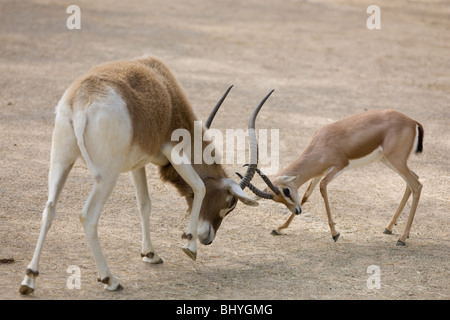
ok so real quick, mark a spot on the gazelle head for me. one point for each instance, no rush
(282, 189)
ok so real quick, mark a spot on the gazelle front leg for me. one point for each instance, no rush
(323, 190)
(148, 253)
(187, 172)
(307, 194)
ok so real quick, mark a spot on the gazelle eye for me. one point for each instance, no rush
(287, 192)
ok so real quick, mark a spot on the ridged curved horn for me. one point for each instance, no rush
(266, 179)
(255, 190)
(253, 148)
(216, 108)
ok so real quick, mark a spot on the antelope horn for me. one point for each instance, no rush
(255, 190)
(266, 179)
(216, 108)
(253, 148)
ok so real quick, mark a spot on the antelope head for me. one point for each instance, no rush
(222, 193)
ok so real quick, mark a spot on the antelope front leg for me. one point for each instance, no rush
(187, 172)
(148, 253)
(190, 248)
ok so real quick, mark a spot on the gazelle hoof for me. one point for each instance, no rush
(275, 233)
(387, 231)
(190, 254)
(401, 243)
(25, 290)
(336, 237)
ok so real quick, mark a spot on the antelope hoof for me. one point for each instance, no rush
(25, 290)
(336, 237)
(151, 258)
(119, 287)
(190, 254)
(401, 243)
(27, 285)
(387, 231)
(111, 284)
(275, 233)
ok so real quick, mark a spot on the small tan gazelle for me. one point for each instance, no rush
(358, 140)
(117, 118)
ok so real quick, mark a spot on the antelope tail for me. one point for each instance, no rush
(79, 126)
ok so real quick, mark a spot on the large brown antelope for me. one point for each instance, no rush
(358, 140)
(117, 118)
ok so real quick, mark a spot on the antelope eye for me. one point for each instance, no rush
(287, 192)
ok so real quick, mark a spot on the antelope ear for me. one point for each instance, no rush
(236, 191)
(286, 179)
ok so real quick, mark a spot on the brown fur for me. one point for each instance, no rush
(156, 103)
(157, 106)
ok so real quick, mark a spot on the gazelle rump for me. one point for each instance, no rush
(385, 135)
(117, 118)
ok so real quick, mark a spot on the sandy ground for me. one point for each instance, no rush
(324, 65)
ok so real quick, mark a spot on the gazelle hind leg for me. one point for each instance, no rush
(63, 155)
(308, 193)
(148, 253)
(393, 221)
(406, 195)
(416, 189)
(414, 186)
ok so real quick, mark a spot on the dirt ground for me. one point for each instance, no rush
(323, 63)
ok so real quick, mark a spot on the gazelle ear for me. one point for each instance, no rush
(236, 191)
(286, 179)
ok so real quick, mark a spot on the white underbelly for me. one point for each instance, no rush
(375, 155)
